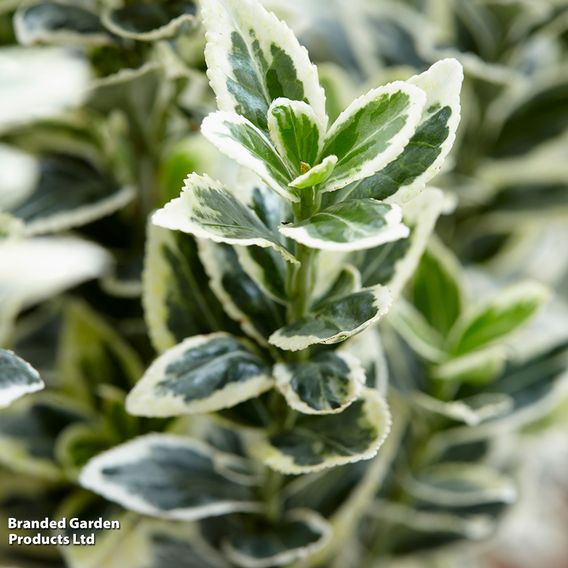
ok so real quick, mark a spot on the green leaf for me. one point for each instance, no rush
(69, 192)
(253, 59)
(243, 142)
(91, 354)
(499, 317)
(294, 130)
(372, 132)
(335, 320)
(351, 225)
(316, 175)
(202, 374)
(298, 535)
(315, 443)
(178, 302)
(208, 210)
(326, 384)
(433, 139)
(59, 23)
(436, 288)
(240, 297)
(150, 475)
(150, 22)
(477, 368)
(17, 378)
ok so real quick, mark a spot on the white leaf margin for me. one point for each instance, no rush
(382, 302)
(393, 231)
(15, 391)
(396, 145)
(376, 409)
(310, 518)
(144, 401)
(356, 378)
(91, 478)
(221, 17)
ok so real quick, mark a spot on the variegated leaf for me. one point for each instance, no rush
(208, 210)
(429, 146)
(334, 321)
(471, 410)
(297, 536)
(242, 141)
(69, 192)
(264, 265)
(372, 132)
(240, 297)
(253, 59)
(141, 21)
(499, 317)
(294, 130)
(178, 302)
(202, 374)
(352, 225)
(17, 378)
(326, 384)
(150, 475)
(459, 486)
(59, 23)
(33, 93)
(315, 443)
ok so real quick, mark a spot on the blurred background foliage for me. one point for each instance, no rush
(477, 432)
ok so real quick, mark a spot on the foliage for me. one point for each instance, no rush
(281, 365)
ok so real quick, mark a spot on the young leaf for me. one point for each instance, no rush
(326, 384)
(372, 132)
(335, 320)
(177, 299)
(315, 443)
(316, 175)
(208, 210)
(499, 317)
(204, 373)
(17, 378)
(253, 59)
(477, 368)
(240, 297)
(429, 146)
(150, 475)
(351, 225)
(295, 537)
(436, 290)
(243, 142)
(294, 130)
